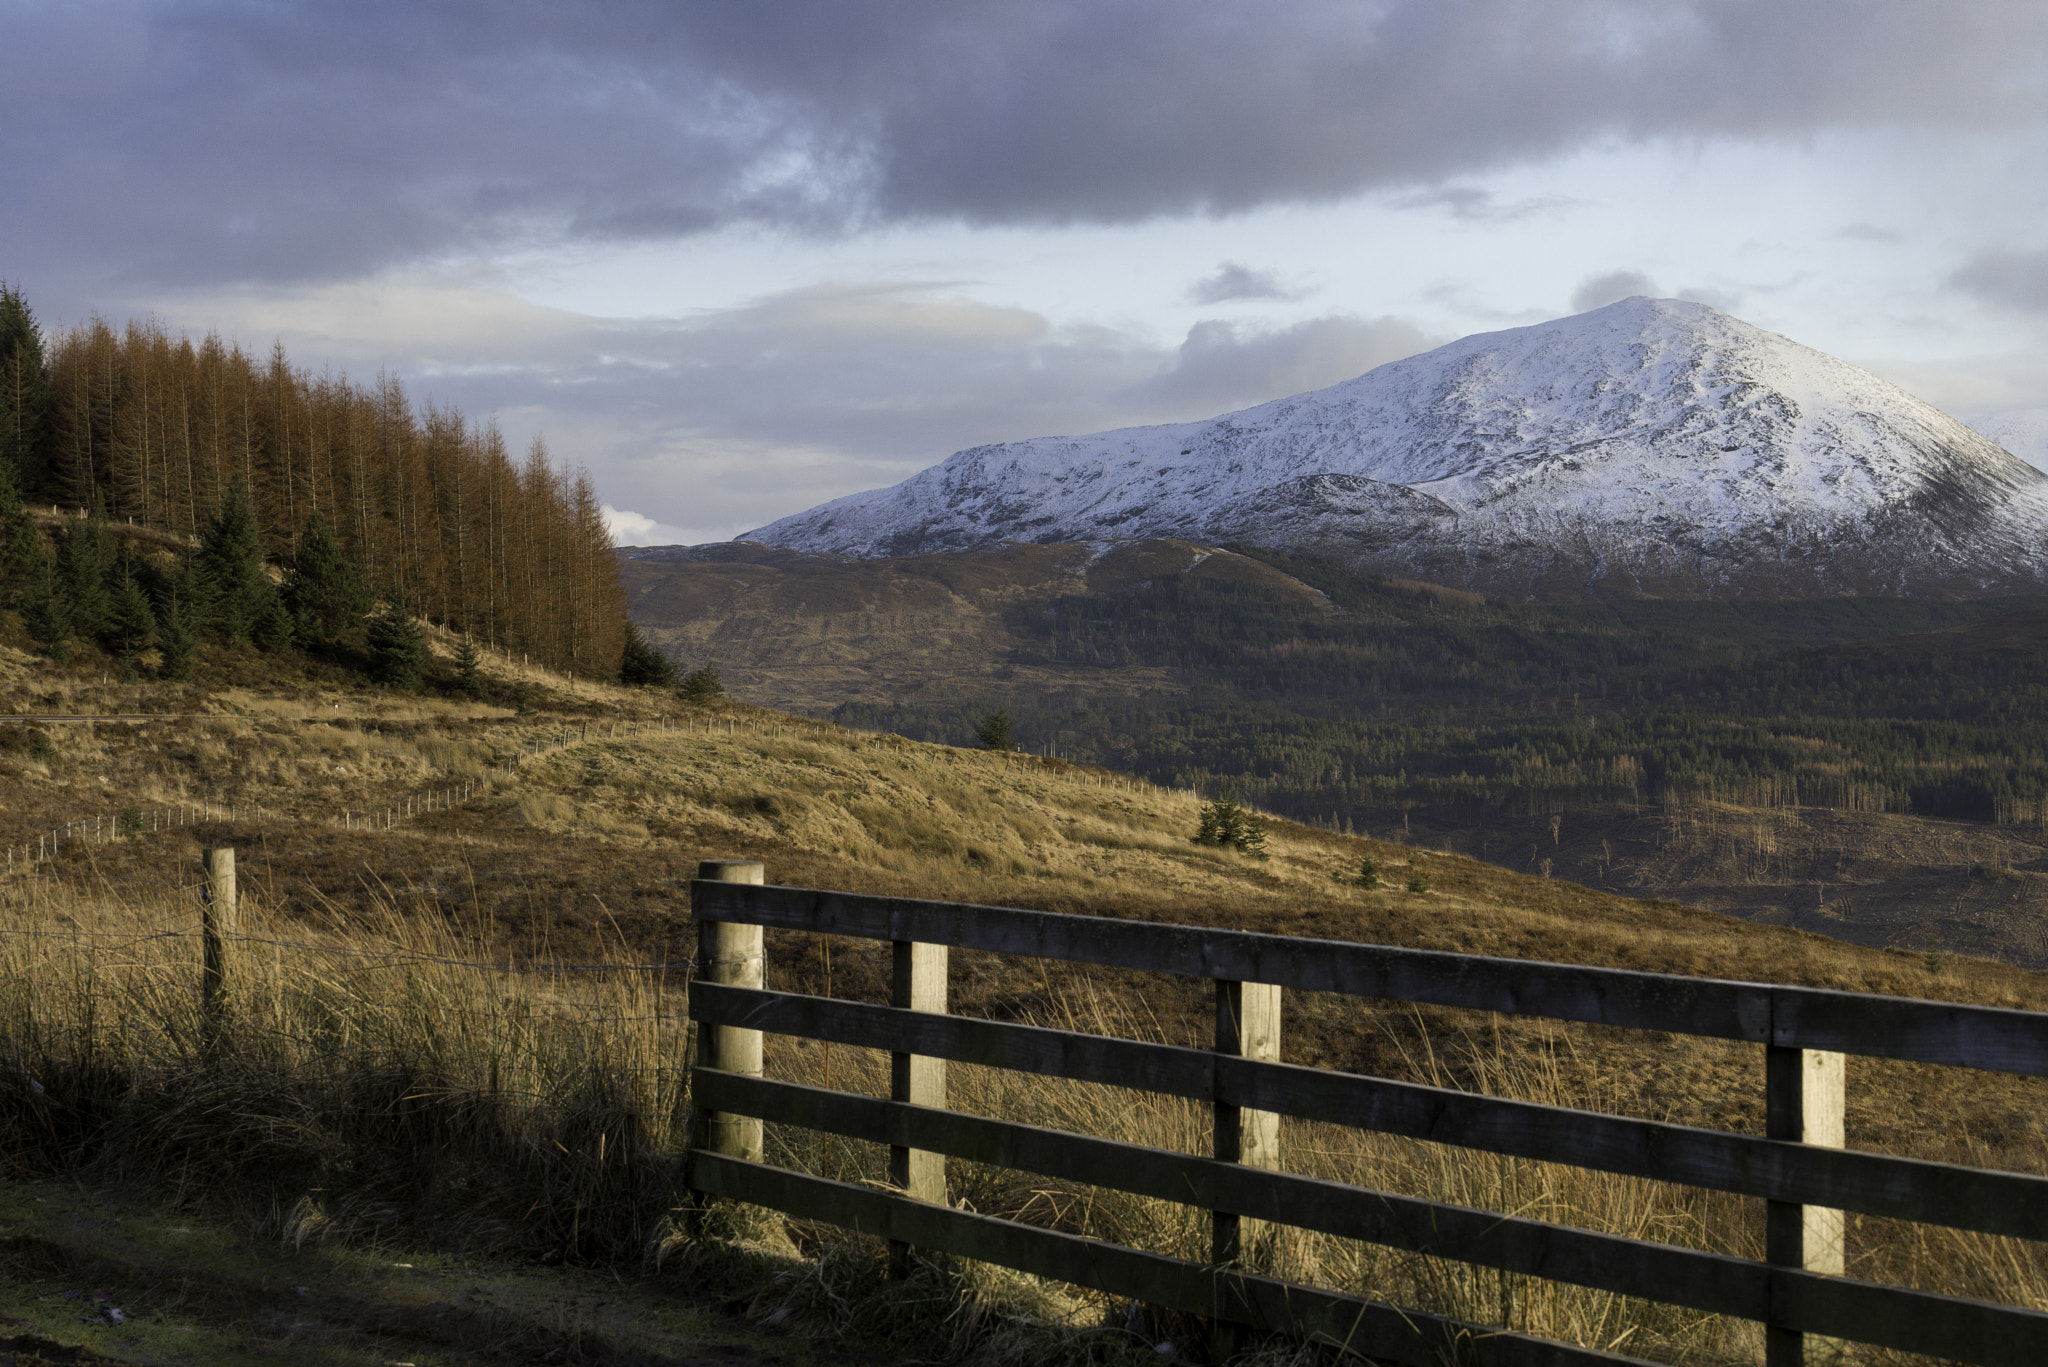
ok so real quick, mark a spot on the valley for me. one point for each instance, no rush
(1870, 769)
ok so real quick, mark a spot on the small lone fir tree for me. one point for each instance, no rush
(21, 550)
(322, 588)
(176, 642)
(130, 624)
(275, 631)
(46, 611)
(995, 731)
(469, 679)
(398, 648)
(227, 591)
(642, 666)
(1226, 824)
(1368, 873)
(701, 685)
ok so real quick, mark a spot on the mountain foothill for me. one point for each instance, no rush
(1648, 598)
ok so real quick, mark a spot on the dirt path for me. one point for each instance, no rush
(91, 1280)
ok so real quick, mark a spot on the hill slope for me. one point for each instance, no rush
(1653, 446)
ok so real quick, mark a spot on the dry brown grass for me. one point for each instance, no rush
(583, 850)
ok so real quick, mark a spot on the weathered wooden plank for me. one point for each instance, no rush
(1891, 1317)
(1247, 1026)
(996, 1044)
(729, 953)
(1875, 1184)
(1805, 1102)
(1945, 1033)
(918, 984)
(1369, 1328)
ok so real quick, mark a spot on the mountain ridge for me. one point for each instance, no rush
(1651, 447)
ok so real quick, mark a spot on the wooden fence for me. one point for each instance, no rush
(1799, 1168)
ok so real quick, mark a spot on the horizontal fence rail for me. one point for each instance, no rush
(1799, 1169)
(1875, 1026)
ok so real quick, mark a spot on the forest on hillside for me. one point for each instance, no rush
(426, 507)
(1403, 701)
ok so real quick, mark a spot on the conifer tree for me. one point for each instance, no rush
(129, 622)
(22, 561)
(398, 648)
(87, 566)
(25, 394)
(176, 641)
(226, 589)
(469, 679)
(701, 685)
(995, 731)
(48, 614)
(322, 588)
(643, 665)
(275, 633)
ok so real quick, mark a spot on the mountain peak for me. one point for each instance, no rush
(1649, 446)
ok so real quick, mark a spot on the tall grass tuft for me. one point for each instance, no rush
(380, 1068)
(387, 1072)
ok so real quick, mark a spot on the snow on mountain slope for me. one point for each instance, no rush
(2024, 433)
(1651, 446)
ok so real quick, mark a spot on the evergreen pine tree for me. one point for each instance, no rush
(129, 623)
(994, 731)
(87, 567)
(398, 648)
(701, 685)
(641, 664)
(176, 641)
(48, 614)
(26, 431)
(275, 632)
(227, 591)
(322, 589)
(22, 561)
(469, 680)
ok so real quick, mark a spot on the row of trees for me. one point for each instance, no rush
(428, 507)
(94, 590)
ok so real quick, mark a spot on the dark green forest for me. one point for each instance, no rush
(1390, 702)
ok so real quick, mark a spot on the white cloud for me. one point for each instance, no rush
(629, 528)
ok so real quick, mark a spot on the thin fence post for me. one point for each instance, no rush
(1247, 1026)
(730, 955)
(1805, 1100)
(219, 921)
(919, 984)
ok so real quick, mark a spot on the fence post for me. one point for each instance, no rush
(731, 956)
(1805, 1098)
(919, 984)
(1247, 1026)
(219, 921)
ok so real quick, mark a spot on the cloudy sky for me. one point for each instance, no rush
(738, 258)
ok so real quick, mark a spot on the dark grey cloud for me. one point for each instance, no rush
(1234, 281)
(197, 141)
(2008, 279)
(1601, 290)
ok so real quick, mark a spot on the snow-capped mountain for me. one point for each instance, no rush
(2024, 433)
(1651, 446)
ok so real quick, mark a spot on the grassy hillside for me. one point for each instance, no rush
(538, 1112)
(1875, 769)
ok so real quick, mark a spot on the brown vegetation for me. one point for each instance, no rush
(420, 497)
(540, 1111)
